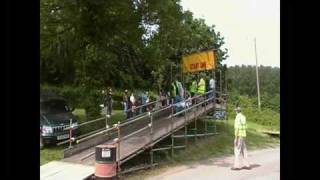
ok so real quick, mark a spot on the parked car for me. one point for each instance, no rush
(55, 115)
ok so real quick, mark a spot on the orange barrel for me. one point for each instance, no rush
(106, 163)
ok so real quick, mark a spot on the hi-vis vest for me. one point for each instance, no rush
(240, 125)
(173, 90)
(202, 86)
(193, 87)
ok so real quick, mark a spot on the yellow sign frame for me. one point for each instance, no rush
(199, 61)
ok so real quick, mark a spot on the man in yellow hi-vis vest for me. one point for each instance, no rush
(201, 86)
(173, 92)
(193, 88)
(240, 149)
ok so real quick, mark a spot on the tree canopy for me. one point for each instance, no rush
(122, 44)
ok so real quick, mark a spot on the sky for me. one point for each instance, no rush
(239, 22)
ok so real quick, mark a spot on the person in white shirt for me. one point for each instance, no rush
(180, 89)
(133, 103)
(212, 86)
(132, 99)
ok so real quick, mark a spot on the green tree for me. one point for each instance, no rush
(128, 44)
(242, 81)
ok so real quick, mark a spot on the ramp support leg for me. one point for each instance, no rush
(151, 157)
(172, 144)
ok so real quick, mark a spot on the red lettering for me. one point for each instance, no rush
(203, 65)
(194, 66)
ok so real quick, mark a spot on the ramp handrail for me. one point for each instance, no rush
(131, 120)
(152, 112)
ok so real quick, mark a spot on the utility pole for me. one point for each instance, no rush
(257, 73)
(220, 83)
(225, 78)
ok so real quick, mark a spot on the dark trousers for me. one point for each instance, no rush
(109, 109)
(192, 95)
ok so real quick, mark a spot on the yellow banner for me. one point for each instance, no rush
(198, 62)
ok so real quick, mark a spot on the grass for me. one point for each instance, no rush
(80, 114)
(214, 146)
(118, 116)
(52, 152)
(266, 119)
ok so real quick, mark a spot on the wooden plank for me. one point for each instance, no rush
(161, 149)
(87, 144)
(138, 168)
(57, 170)
(270, 132)
(193, 135)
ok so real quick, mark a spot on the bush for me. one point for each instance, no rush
(72, 94)
(267, 116)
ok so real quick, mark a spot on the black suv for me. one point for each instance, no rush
(55, 115)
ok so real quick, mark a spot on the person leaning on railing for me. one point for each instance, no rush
(133, 104)
(201, 88)
(162, 98)
(212, 85)
(188, 99)
(148, 107)
(173, 92)
(108, 102)
(193, 89)
(131, 101)
(125, 100)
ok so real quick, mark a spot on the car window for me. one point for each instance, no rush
(54, 106)
(43, 121)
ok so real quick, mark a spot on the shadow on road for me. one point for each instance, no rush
(254, 166)
(222, 163)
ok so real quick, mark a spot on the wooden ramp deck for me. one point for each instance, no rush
(133, 144)
(129, 147)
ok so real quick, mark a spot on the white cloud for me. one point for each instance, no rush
(239, 21)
